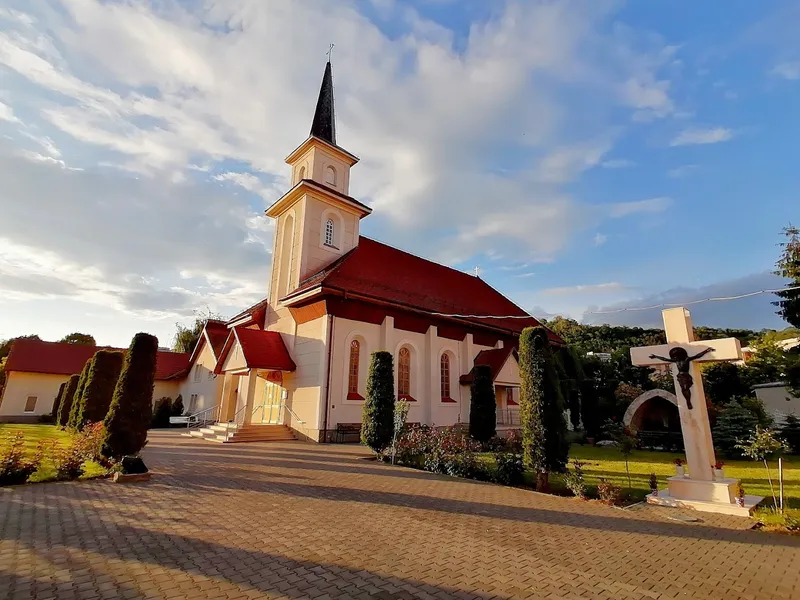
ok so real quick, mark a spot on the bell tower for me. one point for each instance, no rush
(317, 221)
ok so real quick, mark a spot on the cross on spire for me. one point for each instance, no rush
(330, 51)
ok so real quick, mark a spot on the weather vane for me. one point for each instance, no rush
(330, 52)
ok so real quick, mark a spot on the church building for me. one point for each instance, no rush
(300, 357)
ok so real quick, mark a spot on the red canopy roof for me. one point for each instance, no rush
(494, 359)
(384, 273)
(217, 334)
(261, 350)
(33, 356)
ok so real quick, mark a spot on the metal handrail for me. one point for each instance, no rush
(196, 421)
(294, 414)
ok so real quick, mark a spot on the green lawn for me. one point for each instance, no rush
(609, 463)
(34, 433)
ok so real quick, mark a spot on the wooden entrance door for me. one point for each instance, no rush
(271, 400)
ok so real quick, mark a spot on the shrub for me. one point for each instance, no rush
(608, 492)
(439, 450)
(177, 407)
(653, 482)
(131, 410)
(76, 408)
(57, 401)
(66, 400)
(482, 405)
(509, 468)
(377, 421)
(772, 519)
(574, 479)
(101, 380)
(544, 429)
(88, 444)
(514, 441)
(790, 432)
(68, 462)
(15, 468)
(161, 413)
(762, 445)
(734, 423)
(401, 408)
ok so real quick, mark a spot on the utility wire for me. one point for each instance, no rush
(619, 310)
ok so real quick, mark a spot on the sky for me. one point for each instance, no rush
(584, 155)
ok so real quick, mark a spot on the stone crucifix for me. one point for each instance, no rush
(684, 354)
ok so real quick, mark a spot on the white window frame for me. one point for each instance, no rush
(197, 374)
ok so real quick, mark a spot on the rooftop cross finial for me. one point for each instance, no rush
(477, 271)
(330, 51)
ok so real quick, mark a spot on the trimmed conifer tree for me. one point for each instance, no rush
(131, 406)
(66, 400)
(75, 408)
(544, 428)
(377, 420)
(57, 402)
(103, 374)
(482, 405)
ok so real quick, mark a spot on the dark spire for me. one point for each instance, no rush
(324, 125)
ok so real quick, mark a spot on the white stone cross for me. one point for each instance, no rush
(684, 354)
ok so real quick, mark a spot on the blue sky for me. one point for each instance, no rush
(585, 155)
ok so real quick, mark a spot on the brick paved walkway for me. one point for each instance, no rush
(294, 520)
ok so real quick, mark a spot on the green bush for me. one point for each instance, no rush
(162, 411)
(57, 401)
(131, 407)
(509, 469)
(95, 401)
(790, 431)
(574, 479)
(482, 405)
(66, 400)
(733, 423)
(15, 468)
(76, 409)
(177, 407)
(377, 420)
(544, 429)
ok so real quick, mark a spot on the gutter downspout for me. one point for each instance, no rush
(331, 324)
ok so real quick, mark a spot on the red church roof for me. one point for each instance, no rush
(34, 356)
(381, 272)
(261, 350)
(217, 333)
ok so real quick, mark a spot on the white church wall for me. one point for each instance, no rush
(426, 351)
(19, 386)
(317, 255)
(202, 382)
(305, 386)
(778, 400)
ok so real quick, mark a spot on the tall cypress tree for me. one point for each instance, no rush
(482, 405)
(57, 402)
(788, 266)
(377, 419)
(66, 400)
(101, 380)
(75, 407)
(544, 428)
(131, 407)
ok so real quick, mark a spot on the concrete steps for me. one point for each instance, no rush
(229, 433)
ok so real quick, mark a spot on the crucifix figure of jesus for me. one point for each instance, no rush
(684, 357)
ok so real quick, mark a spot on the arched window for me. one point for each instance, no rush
(330, 176)
(352, 383)
(286, 256)
(444, 372)
(404, 373)
(329, 232)
(302, 174)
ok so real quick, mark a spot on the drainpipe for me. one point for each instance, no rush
(331, 323)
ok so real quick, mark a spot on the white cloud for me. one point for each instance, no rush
(600, 239)
(714, 135)
(682, 171)
(594, 288)
(7, 114)
(649, 206)
(787, 70)
(525, 275)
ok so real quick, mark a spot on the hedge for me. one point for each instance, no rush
(377, 421)
(482, 405)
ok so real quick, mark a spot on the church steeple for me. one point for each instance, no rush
(324, 124)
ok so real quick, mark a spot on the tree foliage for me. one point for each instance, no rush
(57, 402)
(544, 429)
(95, 400)
(83, 339)
(790, 432)
(377, 421)
(76, 404)
(733, 424)
(186, 338)
(66, 400)
(788, 267)
(482, 406)
(131, 406)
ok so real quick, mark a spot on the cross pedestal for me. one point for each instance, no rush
(698, 490)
